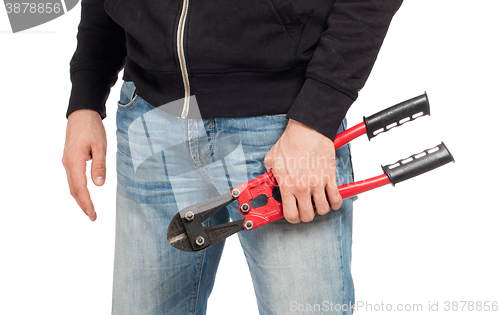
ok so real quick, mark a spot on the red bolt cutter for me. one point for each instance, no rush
(260, 200)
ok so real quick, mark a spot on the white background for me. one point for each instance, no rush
(430, 239)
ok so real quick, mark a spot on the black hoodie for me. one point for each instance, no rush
(306, 58)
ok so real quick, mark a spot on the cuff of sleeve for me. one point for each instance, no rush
(90, 90)
(321, 107)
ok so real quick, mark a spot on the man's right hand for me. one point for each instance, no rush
(85, 140)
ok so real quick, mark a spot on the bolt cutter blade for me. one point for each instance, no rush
(177, 236)
(187, 233)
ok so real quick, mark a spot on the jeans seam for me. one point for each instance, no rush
(202, 171)
(200, 273)
(193, 150)
(211, 145)
(344, 125)
(198, 282)
(342, 261)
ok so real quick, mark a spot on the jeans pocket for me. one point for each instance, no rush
(128, 96)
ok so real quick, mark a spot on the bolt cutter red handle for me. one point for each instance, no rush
(266, 188)
(259, 200)
(265, 185)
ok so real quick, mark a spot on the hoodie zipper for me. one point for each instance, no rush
(182, 57)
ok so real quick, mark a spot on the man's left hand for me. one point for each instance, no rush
(303, 163)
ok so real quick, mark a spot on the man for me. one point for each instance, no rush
(280, 76)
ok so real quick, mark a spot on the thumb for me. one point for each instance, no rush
(268, 162)
(98, 169)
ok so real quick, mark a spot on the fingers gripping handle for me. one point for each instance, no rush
(418, 164)
(397, 115)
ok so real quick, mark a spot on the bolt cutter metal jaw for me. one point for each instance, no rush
(187, 233)
(259, 202)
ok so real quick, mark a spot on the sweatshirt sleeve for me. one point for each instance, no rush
(99, 57)
(342, 62)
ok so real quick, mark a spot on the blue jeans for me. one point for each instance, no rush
(164, 164)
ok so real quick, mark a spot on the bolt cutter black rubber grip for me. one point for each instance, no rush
(259, 200)
(397, 115)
